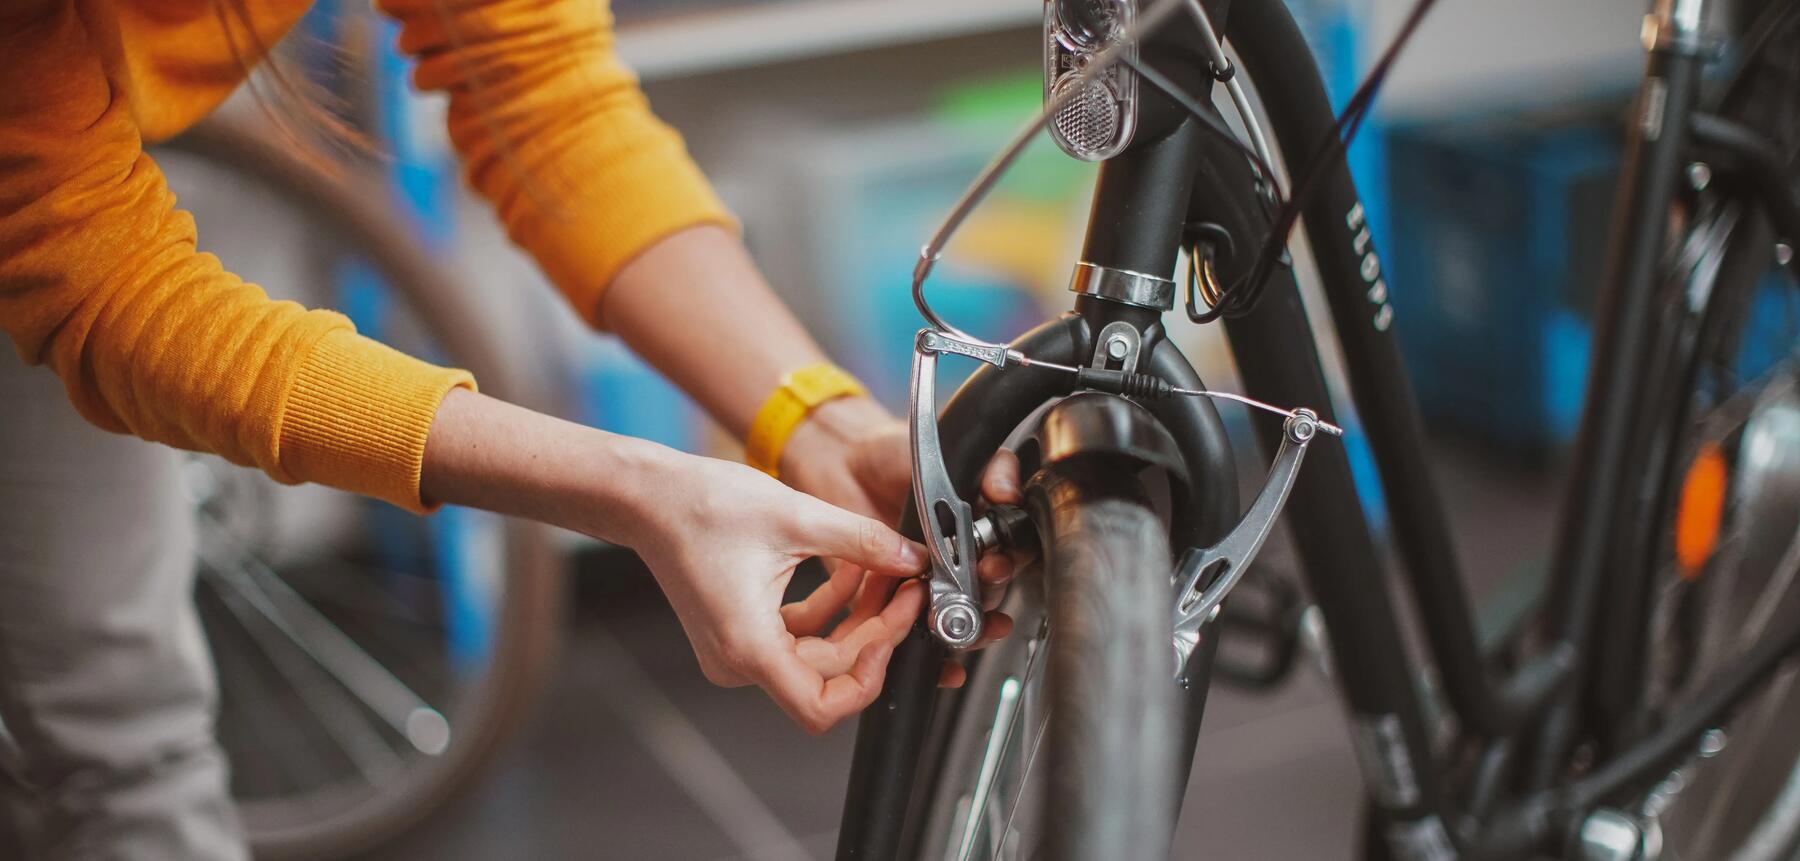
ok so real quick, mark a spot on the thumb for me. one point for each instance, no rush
(864, 541)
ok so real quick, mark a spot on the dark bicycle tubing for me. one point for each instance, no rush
(1267, 39)
(1278, 360)
(1680, 339)
(1762, 165)
(1263, 31)
(1593, 529)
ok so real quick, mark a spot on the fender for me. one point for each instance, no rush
(1090, 423)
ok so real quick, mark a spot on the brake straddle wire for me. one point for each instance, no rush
(1240, 297)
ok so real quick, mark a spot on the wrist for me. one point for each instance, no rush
(794, 403)
(832, 429)
(616, 502)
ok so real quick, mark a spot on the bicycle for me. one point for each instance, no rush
(1570, 736)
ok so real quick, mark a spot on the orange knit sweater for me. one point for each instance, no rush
(100, 279)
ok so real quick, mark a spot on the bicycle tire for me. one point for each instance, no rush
(1059, 744)
(350, 210)
(1114, 708)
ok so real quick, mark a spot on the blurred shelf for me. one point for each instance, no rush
(764, 33)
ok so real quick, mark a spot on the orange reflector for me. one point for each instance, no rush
(1702, 508)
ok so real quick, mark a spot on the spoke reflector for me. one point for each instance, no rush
(1702, 508)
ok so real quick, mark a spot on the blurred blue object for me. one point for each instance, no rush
(617, 391)
(1772, 319)
(1336, 31)
(1499, 236)
(875, 194)
(423, 187)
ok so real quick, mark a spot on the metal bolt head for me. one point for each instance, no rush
(1117, 348)
(1302, 425)
(1699, 175)
(956, 620)
(1609, 835)
(1712, 743)
(1784, 253)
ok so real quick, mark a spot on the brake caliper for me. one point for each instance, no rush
(947, 520)
(1204, 577)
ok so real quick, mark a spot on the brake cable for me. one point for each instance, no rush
(953, 536)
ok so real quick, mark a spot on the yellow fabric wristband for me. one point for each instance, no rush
(801, 391)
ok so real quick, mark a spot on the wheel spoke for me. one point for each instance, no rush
(362, 744)
(1005, 713)
(1030, 760)
(1013, 696)
(423, 727)
(1763, 716)
(970, 832)
(1718, 422)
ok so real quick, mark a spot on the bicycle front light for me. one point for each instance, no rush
(1096, 120)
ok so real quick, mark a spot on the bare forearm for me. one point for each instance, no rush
(694, 306)
(492, 455)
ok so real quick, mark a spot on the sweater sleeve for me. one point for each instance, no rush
(553, 129)
(100, 280)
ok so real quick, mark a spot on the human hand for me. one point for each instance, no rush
(721, 538)
(723, 542)
(850, 452)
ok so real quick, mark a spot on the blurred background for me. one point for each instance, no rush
(839, 131)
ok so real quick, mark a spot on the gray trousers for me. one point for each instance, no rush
(106, 684)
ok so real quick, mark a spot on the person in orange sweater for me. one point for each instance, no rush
(104, 677)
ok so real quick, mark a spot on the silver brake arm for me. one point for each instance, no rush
(1231, 557)
(946, 520)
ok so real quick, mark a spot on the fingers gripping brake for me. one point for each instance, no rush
(1083, 422)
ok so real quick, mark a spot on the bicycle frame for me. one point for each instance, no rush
(1174, 175)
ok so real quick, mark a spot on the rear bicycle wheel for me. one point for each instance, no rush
(1064, 742)
(1727, 559)
(1727, 493)
(370, 662)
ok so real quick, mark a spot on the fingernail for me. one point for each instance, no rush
(912, 554)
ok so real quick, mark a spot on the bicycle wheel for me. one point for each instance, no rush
(1727, 492)
(1060, 744)
(370, 662)
(1735, 473)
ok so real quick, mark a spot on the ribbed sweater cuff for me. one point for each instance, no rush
(357, 417)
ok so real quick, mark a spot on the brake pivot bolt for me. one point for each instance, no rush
(956, 621)
(1117, 348)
